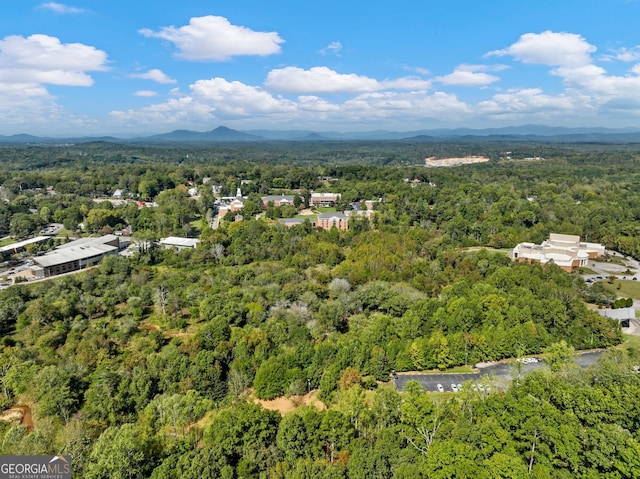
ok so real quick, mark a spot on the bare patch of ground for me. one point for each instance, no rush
(285, 405)
(19, 413)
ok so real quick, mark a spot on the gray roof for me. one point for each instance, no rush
(76, 253)
(328, 216)
(89, 241)
(83, 248)
(619, 313)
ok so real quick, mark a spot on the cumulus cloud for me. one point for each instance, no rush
(28, 64)
(60, 8)
(334, 48)
(213, 38)
(155, 75)
(550, 48)
(325, 80)
(44, 59)
(220, 100)
(318, 80)
(237, 99)
(468, 75)
(529, 101)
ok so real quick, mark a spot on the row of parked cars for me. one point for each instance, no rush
(528, 360)
(458, 387)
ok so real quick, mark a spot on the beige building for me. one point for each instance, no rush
(567, 251)
(326, 221)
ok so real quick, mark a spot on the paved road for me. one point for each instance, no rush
(502, 372)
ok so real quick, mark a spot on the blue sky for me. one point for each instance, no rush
(137, 67)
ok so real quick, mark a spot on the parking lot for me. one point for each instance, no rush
(502, 373)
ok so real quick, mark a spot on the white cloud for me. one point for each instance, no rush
(468, 75)
(60, 8)
(405, 106)
(530, 101)
(594, 81)
(334, 48)
(213, 38)
(550, 48)
(318, 80)
(237, 99)
(406, 83)
(146, 93)
(155, 75)
(624, 55)
(243, 105)
(325, 80)
(44, 59)
(28, 64)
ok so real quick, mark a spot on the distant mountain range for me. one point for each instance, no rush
(228, 135)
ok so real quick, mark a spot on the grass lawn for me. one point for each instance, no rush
(628, 289)
(630, 342)
(326, 209)
(7, 241)
(586, 271)
(199, 224)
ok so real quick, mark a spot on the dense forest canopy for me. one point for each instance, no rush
(147, 365)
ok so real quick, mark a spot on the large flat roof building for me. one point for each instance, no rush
(567, 251)
(75, 255)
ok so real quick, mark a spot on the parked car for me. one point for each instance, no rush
(454, 388)
(440, 388)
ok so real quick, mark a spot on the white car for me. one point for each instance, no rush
(440, 388)
(454, 388)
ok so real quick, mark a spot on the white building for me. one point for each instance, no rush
(179, 243)
(567, 251)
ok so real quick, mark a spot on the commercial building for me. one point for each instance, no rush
(179, 243)
(75, 255)
(566, 251)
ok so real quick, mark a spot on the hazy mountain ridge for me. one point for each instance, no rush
(225, 134)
